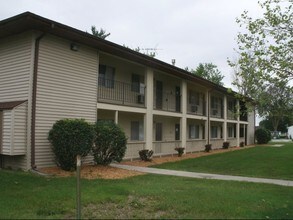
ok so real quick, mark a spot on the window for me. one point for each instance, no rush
(203, 131)
(106, 76)
(135, 83)
(214, 102)
(214, 132)
(230, 132)
(231, 105)
(194, 131)
(159, 131)
(241, 131)
(137, 133)
(193, 98)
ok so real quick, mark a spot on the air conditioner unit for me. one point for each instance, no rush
(141, 88)
(194, 108)
(140, 99)
(215, 112)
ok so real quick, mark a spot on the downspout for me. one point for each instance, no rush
(34, 99)
(209, 121)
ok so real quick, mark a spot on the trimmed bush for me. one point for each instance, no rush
(208, 147)
(110, 143)
(180, 151)
(69, 138)
(146, 155)
(242, 144)
(263, 136)
(226, 145)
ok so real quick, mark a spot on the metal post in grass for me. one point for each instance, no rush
(78, 205)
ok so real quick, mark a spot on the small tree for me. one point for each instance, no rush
(263, 136)
(69, 138)
(99, 33)
(209, 71)
(110, 143)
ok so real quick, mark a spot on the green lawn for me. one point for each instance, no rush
(25, 195)
(261, 161)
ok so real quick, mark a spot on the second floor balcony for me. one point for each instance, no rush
(167, 101)
(121, 93)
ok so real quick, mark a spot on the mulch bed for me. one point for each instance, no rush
(106, 172)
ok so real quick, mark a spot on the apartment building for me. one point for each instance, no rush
(50, 71)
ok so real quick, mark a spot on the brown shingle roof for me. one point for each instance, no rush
(10, 105)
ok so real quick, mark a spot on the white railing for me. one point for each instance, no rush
(195, 145)
(217, 143)
(132, 150)
(165, 147)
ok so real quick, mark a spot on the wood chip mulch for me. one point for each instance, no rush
(106, 172)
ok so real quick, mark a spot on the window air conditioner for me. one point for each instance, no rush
(141, 88)
(140, 99)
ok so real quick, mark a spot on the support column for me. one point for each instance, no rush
(116, 117)
(148, 119)
(225, 119)
(238, 124)
(184, 112)
(208, 112)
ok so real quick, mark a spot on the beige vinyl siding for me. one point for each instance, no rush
(15, 62)
(14, 131)
(67, 88)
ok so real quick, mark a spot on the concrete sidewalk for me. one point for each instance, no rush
(203, 175)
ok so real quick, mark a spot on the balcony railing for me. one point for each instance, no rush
(217, 113)
(231, 114)
(167, 101)
(115, 92)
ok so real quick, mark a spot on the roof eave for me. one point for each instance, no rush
(29, 21)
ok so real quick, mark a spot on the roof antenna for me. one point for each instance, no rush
(173, 62)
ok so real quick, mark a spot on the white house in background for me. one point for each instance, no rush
(49, 71)
(290, 132)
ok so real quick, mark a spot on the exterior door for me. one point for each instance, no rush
(178, 98)
(159, 94)
(177, 132)
(159, 131)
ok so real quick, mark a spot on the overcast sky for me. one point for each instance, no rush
(190, 31)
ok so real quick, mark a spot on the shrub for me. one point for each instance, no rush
(226, 145)
(180, 151)
(69, 138)
(110, 143)
(146, 155)
(263, 136)
(242, 144)
(208, 147)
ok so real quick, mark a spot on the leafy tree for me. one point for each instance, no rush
(99, 33)
(268, 41)
(264, 68)
(208, 71)
(276, 103)
(267, 123)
